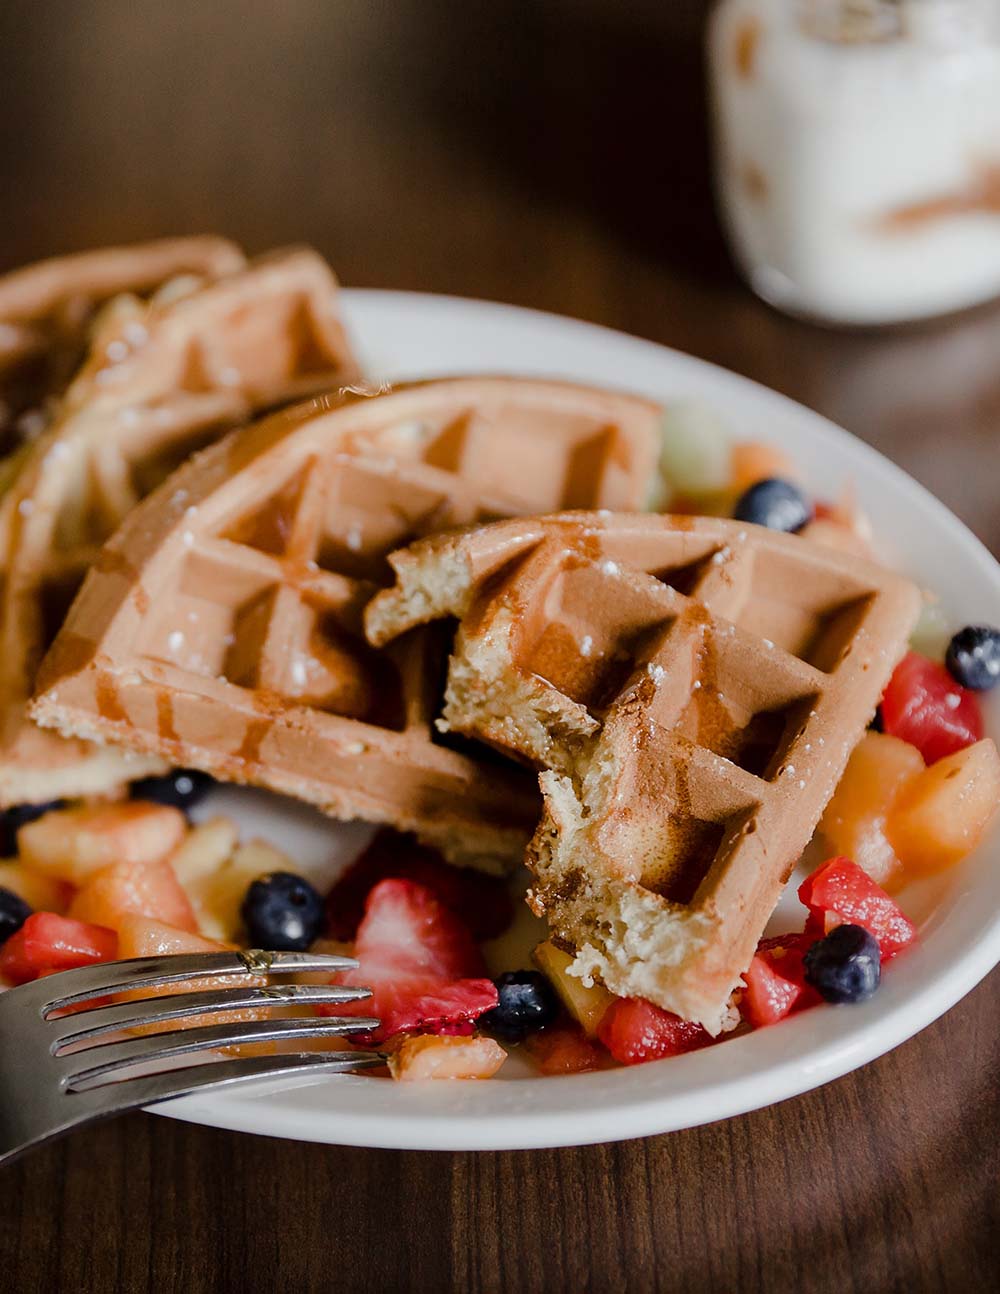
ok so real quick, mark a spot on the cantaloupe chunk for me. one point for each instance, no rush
(73, 844)
(134, 889)
(139, 936)
(753, 461)
(41, 893)
(943, 814)
(854, 824)
(586, 1005)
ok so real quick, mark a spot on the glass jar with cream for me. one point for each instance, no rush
(858, 153)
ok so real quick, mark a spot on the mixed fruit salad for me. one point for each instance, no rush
(91, 882)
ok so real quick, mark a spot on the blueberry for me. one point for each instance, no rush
(845, 966)
(12, 819)
(973, 657)
(774, 503)
(13, 914)
(527, 1002)
(282, 912)
(182, 788)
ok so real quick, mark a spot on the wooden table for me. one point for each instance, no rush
(550, 153)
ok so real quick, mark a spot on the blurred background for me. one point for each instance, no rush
(551, 153)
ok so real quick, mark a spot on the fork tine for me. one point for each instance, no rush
(151, 972)
(147, 1089)
(119, 1056)
(71, 1029)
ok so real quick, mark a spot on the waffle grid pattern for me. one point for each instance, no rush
(160, 381)
(692, 690)
(261, 591)
(47, 308)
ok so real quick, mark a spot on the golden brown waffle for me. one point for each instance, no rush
(160, 381)
(222, 625)
(692, 689)
(46, 310)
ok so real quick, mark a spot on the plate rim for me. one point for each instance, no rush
(871, 1030)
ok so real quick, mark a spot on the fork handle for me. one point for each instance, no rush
(23, 1129)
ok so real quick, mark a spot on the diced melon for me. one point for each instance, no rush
(832, 534)
(932, 632)
(586, 1005)
(134, 889)
(943, 814)
(753, 461)
(73, 844)
(854, 824)
(142, 937)
(41, 893)
(223, 892)
(202, 854)
(695, 454)
(433, 1056)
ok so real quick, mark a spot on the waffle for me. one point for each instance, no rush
(691, 689)
(46, 310)
(161, 379)
(222, 627)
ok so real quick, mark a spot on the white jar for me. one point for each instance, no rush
(858, 153)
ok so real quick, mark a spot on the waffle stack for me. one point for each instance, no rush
(691, 690)
(222, 625)
(46, 311)
(160, 379)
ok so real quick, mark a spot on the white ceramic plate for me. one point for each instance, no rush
(404, 335)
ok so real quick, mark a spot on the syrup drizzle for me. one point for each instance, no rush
(165, 716)
(109, 707)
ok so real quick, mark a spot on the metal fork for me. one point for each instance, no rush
(58, 1071)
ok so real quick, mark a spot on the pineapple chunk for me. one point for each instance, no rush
(202, 854)
(586, 1005)
(226, 888)
(41, 893)
(204, 850)
(944, 813)
(72, 844)
(429, 1056)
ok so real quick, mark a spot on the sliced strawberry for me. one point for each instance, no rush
(563, 1049)
(775, 981)
(926, 707)
(421, 962)
(483, 902)
(635, 1030)
(839, 892)
(47, 942)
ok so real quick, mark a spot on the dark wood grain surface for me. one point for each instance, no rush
(550, 153)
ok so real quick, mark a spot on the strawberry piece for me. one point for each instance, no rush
(926, 707)
(635, 1031)
(839, 892)
(421, 962)
(563, 1049)
(775, 980)
(47, 942)
(483, 902)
